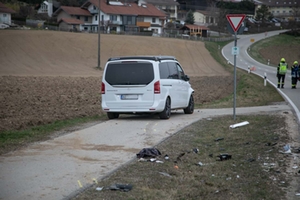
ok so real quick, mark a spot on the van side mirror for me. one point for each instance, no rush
(186, 78)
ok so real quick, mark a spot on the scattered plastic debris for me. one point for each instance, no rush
(224, 156)
(152, 159)
(295, 167)
(176, 167)
(237, 176)
(239, 124)
(122, 187)
(228, 178)
(99, 188)
(166, 157)
(287, 149)
(251, 160)
(165, 174)
(200, 163)
(297, 194)
(159, 161)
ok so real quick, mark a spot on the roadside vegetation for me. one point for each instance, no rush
(272, 49)
(255, 170)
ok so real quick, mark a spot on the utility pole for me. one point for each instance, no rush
(98, 35)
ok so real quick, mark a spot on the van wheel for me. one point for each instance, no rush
(190, 108)
(111, 115)
(166, 113)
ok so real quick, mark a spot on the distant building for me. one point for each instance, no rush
(5, 14)
(48, 7)
(281, 9)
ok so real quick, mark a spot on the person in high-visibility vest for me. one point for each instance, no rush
(281, 71)
(295, 74)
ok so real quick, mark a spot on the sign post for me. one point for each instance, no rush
(235, 21)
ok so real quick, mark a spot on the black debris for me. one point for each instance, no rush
(224, 156)
(148, 152)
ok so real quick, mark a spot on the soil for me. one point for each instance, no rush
(47, 76)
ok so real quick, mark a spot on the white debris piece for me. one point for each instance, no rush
(239, 124)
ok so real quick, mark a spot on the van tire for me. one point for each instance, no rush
(111, 115)
(166, 113)
(190, 108)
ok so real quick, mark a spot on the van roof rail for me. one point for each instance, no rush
(155, 58)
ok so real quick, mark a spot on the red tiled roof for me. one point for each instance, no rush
(190, 26)
(5, 9)
(71, 21)
(129, 9)
(73, 11)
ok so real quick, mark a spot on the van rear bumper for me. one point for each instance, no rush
(159, 107)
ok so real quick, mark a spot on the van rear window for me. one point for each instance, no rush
(129, 73)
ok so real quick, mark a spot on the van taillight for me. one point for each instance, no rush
(157, 87)
(102, 88)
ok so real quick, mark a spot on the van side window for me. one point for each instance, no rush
(180, 70)
(164, 70)
(173, 70)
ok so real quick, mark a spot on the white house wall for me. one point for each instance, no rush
(5, 18)
(199, 17)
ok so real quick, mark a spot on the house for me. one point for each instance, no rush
(281, 9)
(73, 18)
(5, 14)
(205, 17)
(170, 7)
(125, 16)
(195, 30)
(48, 7)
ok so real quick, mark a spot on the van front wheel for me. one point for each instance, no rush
(111, 115)
(166, 113)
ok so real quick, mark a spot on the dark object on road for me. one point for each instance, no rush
(224, 156)
(122, 187)
(148, 152)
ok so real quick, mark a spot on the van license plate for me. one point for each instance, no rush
(129, 96)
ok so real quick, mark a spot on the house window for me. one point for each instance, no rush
(86, 19)
(94, 7)
(283, 11)
(113, 17)
(4, 15)
(77, 17)
(96, 17)
(153, 20)
(140, 19)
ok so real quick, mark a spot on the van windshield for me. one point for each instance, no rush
(129, 73)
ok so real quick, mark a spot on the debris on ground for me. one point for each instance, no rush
(287, 149)
(239, 124)
(122, 187)
(224, 156)
(218, 139)
(165, 174)
(148, 152)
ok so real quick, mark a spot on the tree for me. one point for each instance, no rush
(263, 13)
(190, 19)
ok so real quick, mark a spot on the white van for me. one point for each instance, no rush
(145, 84)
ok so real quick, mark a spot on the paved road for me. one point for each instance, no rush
(244, 61)
(55, 169)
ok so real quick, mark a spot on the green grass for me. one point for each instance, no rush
(9, 140)
(236, 178)
(249, 89)
(282, 40)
